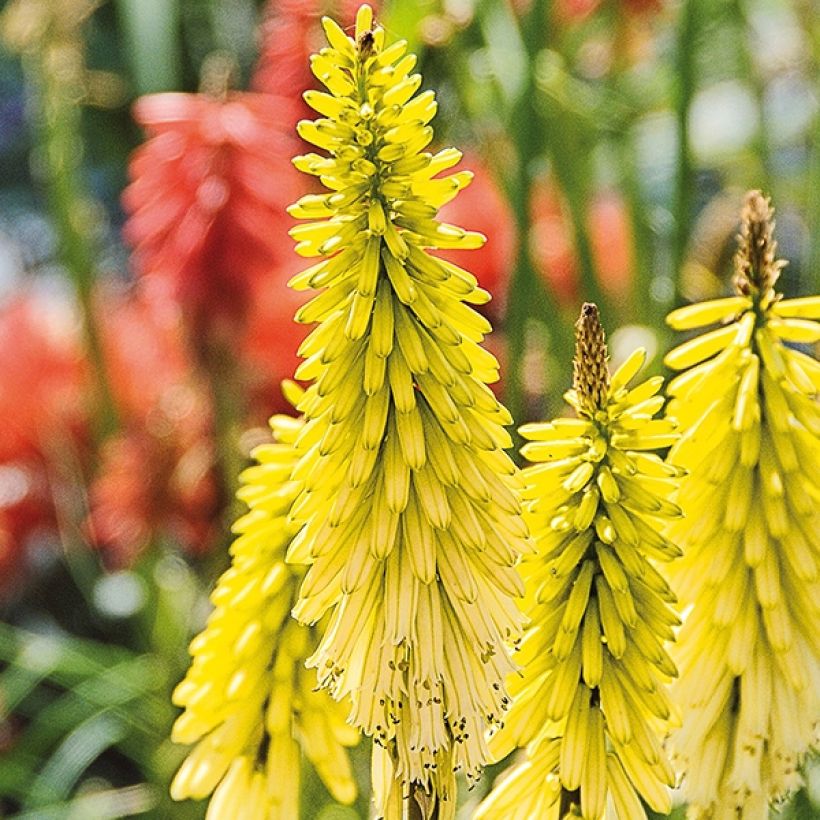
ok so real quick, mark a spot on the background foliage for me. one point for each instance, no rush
(612, 141)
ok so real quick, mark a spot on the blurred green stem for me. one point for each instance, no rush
(528, 296)
(219, 367)
(813, 214)
(807, 12)
(751, 71)
(150, 31)
(688, 30)
(644, 307)
(58, 123)
(574, 185)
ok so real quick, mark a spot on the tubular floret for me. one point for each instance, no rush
(750, 666)
(594, 663)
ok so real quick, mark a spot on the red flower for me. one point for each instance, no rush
(151, 486)
(482, 207)
(290, 35)
(207, 200)
(268, 346)
(42, 374)
(157, 475)
(44, 404)
(554, 250)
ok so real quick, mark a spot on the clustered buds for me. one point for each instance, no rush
(591, 700)
(251, 707)
(757, 268)
(750, 649)
(590, 370)
(409, 511)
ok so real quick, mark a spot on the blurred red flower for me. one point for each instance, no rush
(290, 34)
(269, 344)
(44, 403)
(151, 486)
(156, 475)
(553, 247)
(42, 390)
(481, 206)
(206, 204)
(154, 478)
(574, 11)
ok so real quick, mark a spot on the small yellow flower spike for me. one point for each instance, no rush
(591, 704)
(409, 504)
(749, 651)
(250, 705)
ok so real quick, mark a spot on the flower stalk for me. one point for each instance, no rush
(409, 507)
(749, 651)
(49, 38)
(590, 704)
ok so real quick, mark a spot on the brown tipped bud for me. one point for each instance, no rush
(365, 44)
(756, 266)
(590, 371)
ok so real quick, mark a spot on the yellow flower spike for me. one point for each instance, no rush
(590, 705)
(749, 652)
(250, 706)
(409, 506)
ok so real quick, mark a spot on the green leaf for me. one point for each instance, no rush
(80, 748)
(108, 804)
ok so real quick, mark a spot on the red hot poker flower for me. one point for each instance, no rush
(44, 404)
(207, 197)
(157, 475)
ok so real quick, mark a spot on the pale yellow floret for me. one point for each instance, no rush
(249, 705)
(749, 651)
(590, 704)
(408, 507)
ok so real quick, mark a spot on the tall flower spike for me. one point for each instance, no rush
(251, 707)
(409, 505)
(750, 649)
(591, 704)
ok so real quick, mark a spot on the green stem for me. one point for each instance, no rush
(575, 190)
(643, 307)
(812, 271)
(218, 367)
(528, 297)
(57, 119)
(807, 12)
(762, 140)
(685, 177)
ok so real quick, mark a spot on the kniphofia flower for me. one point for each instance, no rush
(750, 649)
(590, 705)
(410, 513)
(207, 196)
(157, 474)
(45, 403)
(251, 706)
(290, 33)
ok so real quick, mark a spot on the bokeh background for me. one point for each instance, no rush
(145, 324)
